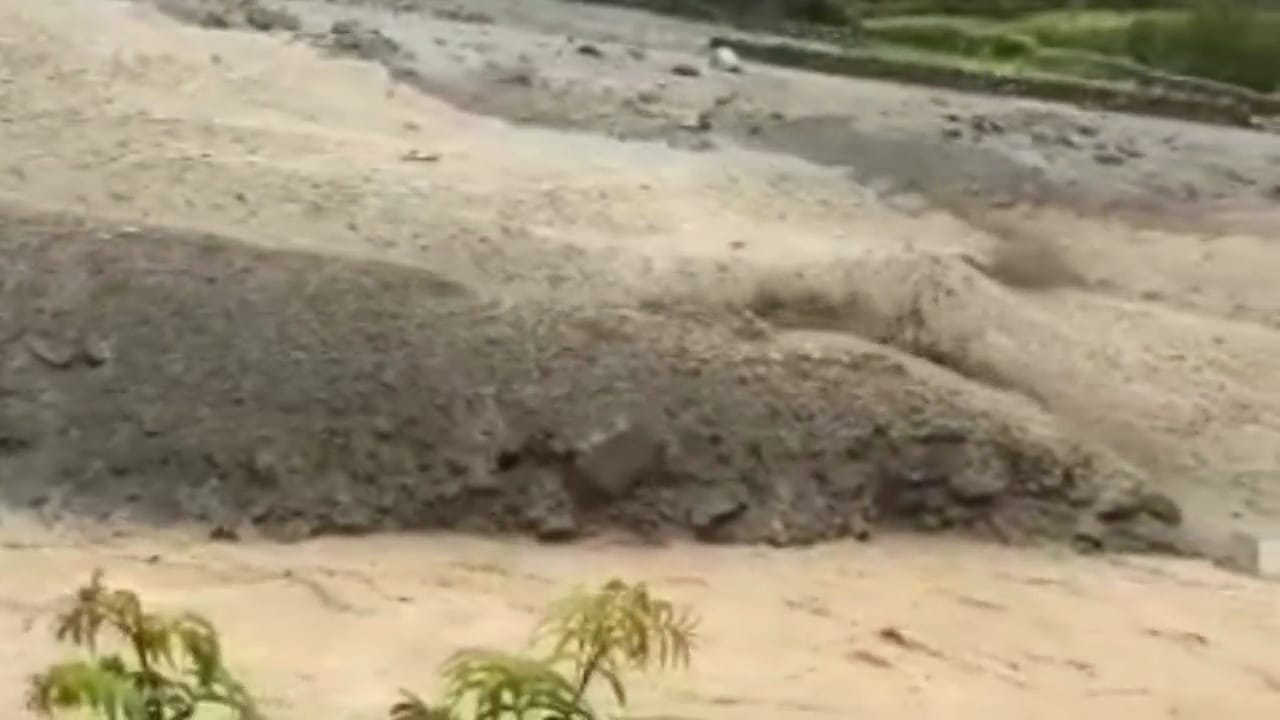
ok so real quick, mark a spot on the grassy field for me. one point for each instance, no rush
(1226, 42)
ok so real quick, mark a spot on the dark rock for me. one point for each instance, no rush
(1108, 157)
(1162, 508)
(215, 20)
(96, 351)
(1082, 492)
(715, 506)
(51, 352)
(974, 484)
(462, 15)
(555, 525)
(1118, 504)
(859, 527)
(952, 133)
(591, 51)
(1089, 535)
(686, 70)
(224, 533)
(986, 126)
(1130, 151)
(266, 19)
(1146, 535)
(345, 27)
(608, 468)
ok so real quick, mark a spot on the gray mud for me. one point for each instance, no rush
(153, 376)
(634, 76)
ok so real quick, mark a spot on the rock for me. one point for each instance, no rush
(952, 133)
(555, 525)
(1108, 157)
(713, 507)
(1089, 534)
(96, 351)
(591, 51)
(1118, 504)
(1130, 151)
(549, 509)
(224, 533)
(609, 467)
(977, 485)
(1162, 508)
(1143, 534)
(214, 20)
(51, 352)
(266, 19)
(986, 126)
(1252, 555)
(685, 70)
(725, 59)
(462, 15)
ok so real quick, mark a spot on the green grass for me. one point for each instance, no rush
(1225, 41)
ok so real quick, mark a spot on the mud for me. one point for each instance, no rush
(157, 377)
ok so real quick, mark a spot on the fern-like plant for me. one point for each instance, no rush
(176, 663)
(617, 627)
(586, 636)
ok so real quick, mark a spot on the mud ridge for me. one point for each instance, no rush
(168, 378)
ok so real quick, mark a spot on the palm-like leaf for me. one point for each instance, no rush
(504, 686)
(616, 627)
(178, 663)
(102, 686)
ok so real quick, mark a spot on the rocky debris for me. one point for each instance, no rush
(686, 70)
(606, 468)
(277, 423)
(725, 59)
(590, 50)
(983, 125)
(233, 14)
(1108, 157)
(464, 15)
(351, 37)
(1251, 554)
(421, 156)
(712, 508)
(549, 509)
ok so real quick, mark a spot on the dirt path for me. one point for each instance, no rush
(793, 634)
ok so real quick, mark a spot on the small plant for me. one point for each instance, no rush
(586, 637)
(172, 665)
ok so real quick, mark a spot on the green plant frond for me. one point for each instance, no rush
(614, 680)
(504, 685)
(622, 621)
(197, 641)
(97, 686)
(174, 664)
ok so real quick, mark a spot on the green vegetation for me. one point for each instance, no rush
(172, 665)
(1221, 58)
(1227, 41)
(585, 638)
